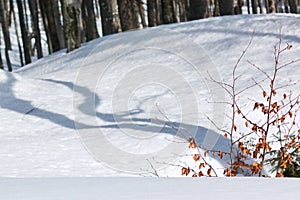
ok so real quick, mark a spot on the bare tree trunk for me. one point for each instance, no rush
(128, 15)
(1, 63)
(52, 24)
(151, 12)
(270, 6)
(8, 63)
(58, 24)
(293, 6)
(36, 28)
(31, 50)
(9, 14)
(159, 13)
(254, 6)
(90, 20)
(279, 6)
(261, 7)
(84, 22)
(24, 33)
(72, 23)
(174, 11)
(248, 6)
(286, 6)
(46, 27)
(107, 17)
(116, 15)
(25, 15)
(97, 9)
(198, 9)
(141, 11)
(17, 35)
(238, 7)
(4, 23)
(182, 11)
(167, 11)
(226, 7)
(216, 8)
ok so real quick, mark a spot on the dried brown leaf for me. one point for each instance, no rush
(264, 93)
(196, 157)
(246, 124)
(235, 127)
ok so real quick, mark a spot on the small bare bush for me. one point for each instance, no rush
(269, 133)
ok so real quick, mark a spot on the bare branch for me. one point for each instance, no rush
(259, 69)
(289, 63)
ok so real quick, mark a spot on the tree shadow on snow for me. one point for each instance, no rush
(206, 138)
(25, 107)
(130, 120)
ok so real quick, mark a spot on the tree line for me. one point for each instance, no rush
(68, 23)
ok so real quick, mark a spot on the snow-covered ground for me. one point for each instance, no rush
(149, 188)
(113, 107)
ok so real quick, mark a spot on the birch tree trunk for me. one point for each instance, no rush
(73, 25)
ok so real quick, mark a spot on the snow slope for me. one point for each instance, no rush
(113, 107)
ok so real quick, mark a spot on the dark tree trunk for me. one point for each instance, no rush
(261, 6)
(128, 15)
(25, 15)
(46, 27)
(36, 28)
(167, 11)
(216, 8)
(97, 9)
(293, 6)
(83, 19)
(286, 6)
(226, 7)
(159, 13)
(151, 12)
(24, 33)
(90, 20)
(182, 11)
(174, 11)
(8, 60)
(107, 17)
(9, 16)
(198, 9)
(1, 63)
(248, 6)
(58, 25)
(238, 7)
(17, 35)
(4, 25)
(51, 19)
(254, 6)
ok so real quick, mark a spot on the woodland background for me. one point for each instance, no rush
(69, 23)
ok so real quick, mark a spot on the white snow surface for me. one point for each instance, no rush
(148, 188)
(53, 110)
